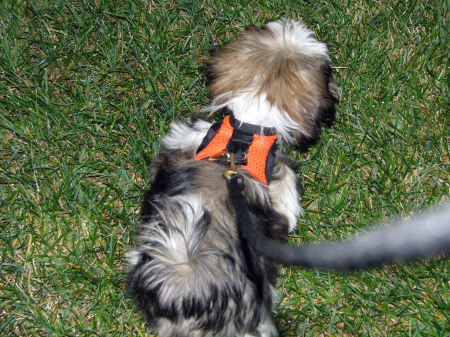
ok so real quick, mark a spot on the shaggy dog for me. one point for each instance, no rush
(192, 274)
(223, 199)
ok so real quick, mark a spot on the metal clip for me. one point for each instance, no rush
(232, 170)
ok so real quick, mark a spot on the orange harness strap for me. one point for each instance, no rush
(219, 143)
(259, 155)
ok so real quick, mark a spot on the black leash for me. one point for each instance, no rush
(273, 250)
(372, 248)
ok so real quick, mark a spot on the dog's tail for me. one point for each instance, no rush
(423, 237)
(164, 266)
(184, 277)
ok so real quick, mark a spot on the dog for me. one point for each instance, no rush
(191, 273)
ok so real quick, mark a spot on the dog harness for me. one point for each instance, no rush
(253, 146)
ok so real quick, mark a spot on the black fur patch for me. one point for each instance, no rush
(326, 113)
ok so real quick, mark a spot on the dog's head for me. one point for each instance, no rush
(277, 76)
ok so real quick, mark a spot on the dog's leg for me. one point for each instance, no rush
(284, 192)
(186, 136)
(267, 328)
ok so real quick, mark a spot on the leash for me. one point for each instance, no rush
(250, 231)
(338, 256)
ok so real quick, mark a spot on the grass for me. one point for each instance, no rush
(87, 88)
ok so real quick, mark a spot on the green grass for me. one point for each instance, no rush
(87, 88)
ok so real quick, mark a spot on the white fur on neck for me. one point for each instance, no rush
(256, 109)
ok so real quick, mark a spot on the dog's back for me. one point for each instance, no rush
(191, 275)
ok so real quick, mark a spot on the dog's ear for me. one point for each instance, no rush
(323, 112)
(279, 76)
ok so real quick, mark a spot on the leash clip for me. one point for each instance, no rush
(229, 158)
(232, 161)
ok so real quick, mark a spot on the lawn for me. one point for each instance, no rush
(87, 89)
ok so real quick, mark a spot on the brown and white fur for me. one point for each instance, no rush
(191, 274)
